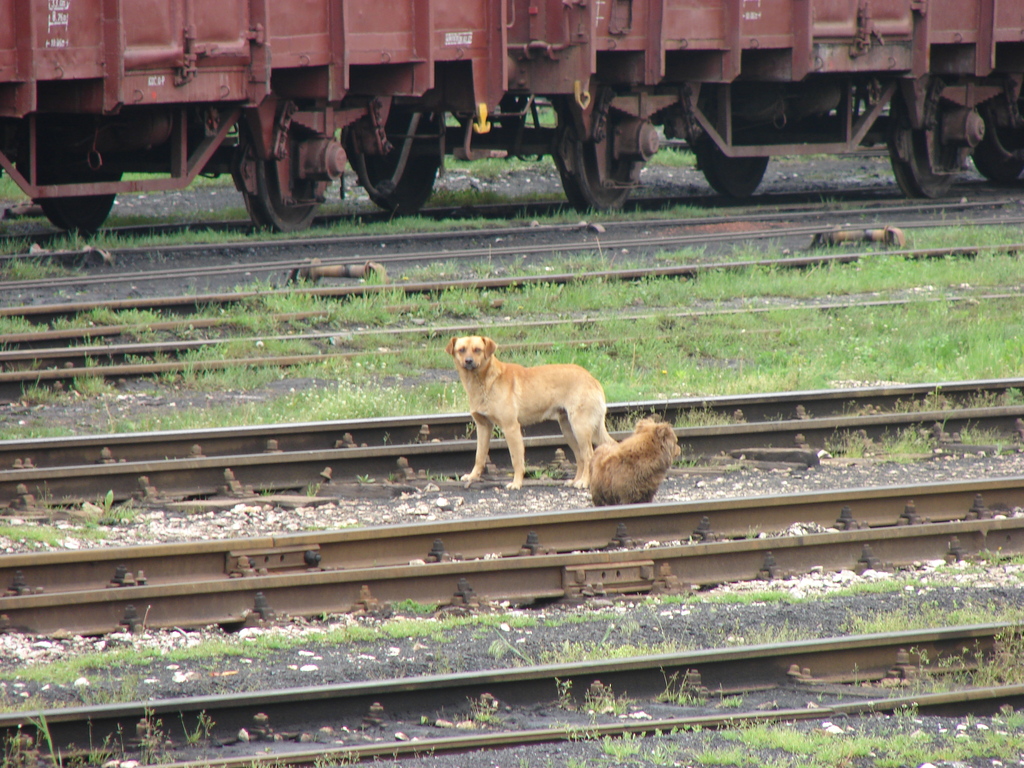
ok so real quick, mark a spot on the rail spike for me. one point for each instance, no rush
(532, 545)
(367, 603)
(19, 586)
(132, 621)
(261, 729)
(437, 553)
(903, 670)
(262, 607)
(146, 491)
(909, 516)
(407, 471)
(955, 553)
(24, 500)
(622, 539)
(375, 717)
(122, 577)
(978, 510)
(867, 561)
(703, 531)
(233, 487)
(770, 569)
(667, 582)
(846, 520)
(464, 594)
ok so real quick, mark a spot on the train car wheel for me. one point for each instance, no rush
(402, 180)
(914, 175)
(591, 177)
(909, 157)
(729, 176)
(990, 156)
(268, 207)
(84, 215)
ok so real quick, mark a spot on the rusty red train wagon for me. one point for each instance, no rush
(287, 94)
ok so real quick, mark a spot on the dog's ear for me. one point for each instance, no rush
(490, 345)
(451, 345)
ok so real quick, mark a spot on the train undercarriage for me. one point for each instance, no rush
(283, 156)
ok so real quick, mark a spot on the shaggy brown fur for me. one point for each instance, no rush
(512, 396)
(631, 471)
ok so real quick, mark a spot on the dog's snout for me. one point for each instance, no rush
(468, 362)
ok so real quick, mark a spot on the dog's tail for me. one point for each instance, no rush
(602, 435)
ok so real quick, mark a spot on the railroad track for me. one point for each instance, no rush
(637, 549)
(509, 245)
(883, 197)
(326, 458)
(843, 677)
(28, 357)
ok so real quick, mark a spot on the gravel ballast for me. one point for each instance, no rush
(813, 606)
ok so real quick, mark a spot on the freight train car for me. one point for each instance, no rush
(165, 90)
(285, 94)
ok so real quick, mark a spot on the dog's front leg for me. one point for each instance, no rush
(484, 427)
(517, 450)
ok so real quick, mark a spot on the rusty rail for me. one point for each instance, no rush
(132, 469)
(830, 670)
(568, 555)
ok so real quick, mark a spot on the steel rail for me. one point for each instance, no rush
(406, 702)
(250, 587)
(43, 312)
(403, 430)
(590, 243)
(651, 204)
(557, 531)
(198, 475)
(507, 536)
(972, 701)
(489, 252)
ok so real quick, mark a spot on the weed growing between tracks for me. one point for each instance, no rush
(725, 332)
(118, 667)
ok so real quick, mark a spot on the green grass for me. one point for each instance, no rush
(639, 339)
(49, 536)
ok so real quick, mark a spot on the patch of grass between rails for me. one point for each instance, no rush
(900, 739)
(644, 350)
(196, 234)
(640, 632)
(217, 651)
(50, 536)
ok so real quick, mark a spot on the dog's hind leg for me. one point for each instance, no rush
(580, 439)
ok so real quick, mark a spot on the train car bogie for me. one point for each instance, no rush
(283, 167)
(999, 155)
(736, 177)
(101, 98)
(398, 168)
(600, 160)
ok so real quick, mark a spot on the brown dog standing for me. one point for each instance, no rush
(631, 471)
(513, 396)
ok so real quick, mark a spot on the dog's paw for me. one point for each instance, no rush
(578, 483)
(515, 485)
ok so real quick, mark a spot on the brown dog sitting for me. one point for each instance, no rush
(513, 396)
(631, 471)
